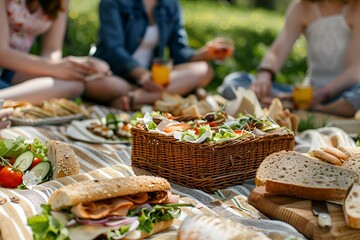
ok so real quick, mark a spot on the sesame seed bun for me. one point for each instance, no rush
(94, 190)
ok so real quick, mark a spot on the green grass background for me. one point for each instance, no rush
(253, 31)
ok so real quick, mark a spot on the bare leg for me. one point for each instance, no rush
(107, 89)
(338, 107)
(184, 78)
(39, 89)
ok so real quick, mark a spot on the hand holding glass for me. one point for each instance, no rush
(160, 71)
(221, 48)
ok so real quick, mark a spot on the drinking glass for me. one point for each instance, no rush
(221, 48)
(160, 71)
(303, 95)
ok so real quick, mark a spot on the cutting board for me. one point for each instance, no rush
(298, 213)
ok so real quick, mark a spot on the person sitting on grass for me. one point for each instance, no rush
(28, 77)
(132, 34)
(332, 31)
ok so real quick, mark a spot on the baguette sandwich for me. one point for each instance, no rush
(118, 208)
(206, 227)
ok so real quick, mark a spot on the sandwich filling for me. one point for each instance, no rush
(114, 218)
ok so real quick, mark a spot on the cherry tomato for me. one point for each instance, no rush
(10, 160)
(10, 177)
(169, 115)
(35, 162)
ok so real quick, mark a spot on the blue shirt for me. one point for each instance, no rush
(123, 24)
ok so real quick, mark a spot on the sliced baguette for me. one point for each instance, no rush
(297, 175)
(206, 227)
(352, 207)
(63, 159)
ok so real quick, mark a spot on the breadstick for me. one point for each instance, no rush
(336, 152)
(325, 156)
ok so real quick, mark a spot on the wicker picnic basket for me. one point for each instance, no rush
(203, 166)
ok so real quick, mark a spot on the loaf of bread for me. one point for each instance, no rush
(353, 163)
(352, 207)
(298, 175)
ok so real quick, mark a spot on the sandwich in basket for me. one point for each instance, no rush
(117, 208)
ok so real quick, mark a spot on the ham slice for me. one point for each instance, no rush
(103, 208)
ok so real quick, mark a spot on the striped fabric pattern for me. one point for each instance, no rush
(114, 160)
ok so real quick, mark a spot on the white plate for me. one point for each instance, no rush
(45, 121)
(351, 127)
(77, 130)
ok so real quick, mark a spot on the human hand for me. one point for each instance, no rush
(148, 84)
(71, 68)
(4, 113)
(262, 86)
(220, 48)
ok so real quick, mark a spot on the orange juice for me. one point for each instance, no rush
(160, 71)
(221, 48)
(302, 97)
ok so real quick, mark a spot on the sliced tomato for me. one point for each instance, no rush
(240, 132)
(10, 177)
(196, 131)
(35, 162)
(169, 115)
(177, 127)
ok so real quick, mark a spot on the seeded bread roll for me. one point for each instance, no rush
(63, 159)
(352, 207)
(297, 175)
(205, 227)
(94, 190)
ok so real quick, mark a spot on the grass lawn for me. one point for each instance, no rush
(252, 30)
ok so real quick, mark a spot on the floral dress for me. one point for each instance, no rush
(25, 26)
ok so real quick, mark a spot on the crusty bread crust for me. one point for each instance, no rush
(94, 190)
(352, 208)
(206, 227)
(63, 159)
(304, 191)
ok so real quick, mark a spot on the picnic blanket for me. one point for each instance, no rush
(114, 160)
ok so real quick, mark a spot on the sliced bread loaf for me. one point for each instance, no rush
(353, 163)
(352, 207)
(298, 175)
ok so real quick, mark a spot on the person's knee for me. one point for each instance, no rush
(206, 73)
(73, 89)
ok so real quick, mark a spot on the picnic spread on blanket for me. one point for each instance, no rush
(249, 173)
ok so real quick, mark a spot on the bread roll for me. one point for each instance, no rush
(205, 227)
(95, 190)
(63, 159)
(353, 163)
(352, 207)
(325, 156)
(336, 152)
(297, 175)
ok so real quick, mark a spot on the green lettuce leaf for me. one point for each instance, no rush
(13, 147)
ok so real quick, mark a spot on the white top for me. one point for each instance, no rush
(144, 53)
(327, 39)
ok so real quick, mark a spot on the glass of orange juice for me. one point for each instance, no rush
(221, 48)
(160, 71)
(303, 96)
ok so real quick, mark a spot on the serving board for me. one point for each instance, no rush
(298, 213)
